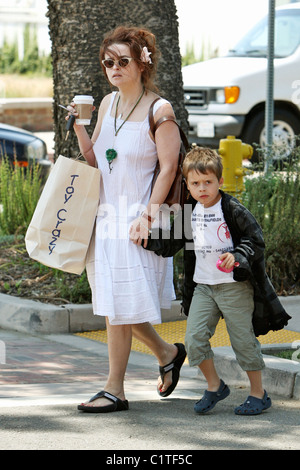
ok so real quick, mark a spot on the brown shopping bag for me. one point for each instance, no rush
(62, 224)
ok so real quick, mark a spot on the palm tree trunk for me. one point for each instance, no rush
(77, 29)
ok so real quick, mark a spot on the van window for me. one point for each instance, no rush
(287, 36)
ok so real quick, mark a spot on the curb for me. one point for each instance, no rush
(29, 316)
(280, 376)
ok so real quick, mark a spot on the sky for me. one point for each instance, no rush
(216, 23)
(219, 24)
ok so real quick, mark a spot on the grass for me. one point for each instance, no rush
(22, 276)
(286, 354)
(25, 86)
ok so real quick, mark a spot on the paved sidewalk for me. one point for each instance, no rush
(45, 377)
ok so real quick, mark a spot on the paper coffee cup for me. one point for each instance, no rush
(84, 108)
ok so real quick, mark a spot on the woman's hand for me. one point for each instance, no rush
(72, 110)
(139, 231)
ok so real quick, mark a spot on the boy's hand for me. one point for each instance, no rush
(228, 260)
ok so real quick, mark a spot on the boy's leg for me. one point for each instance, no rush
(256, 388)
(201, 324)
(208, 369)
(236, 302)
(202, 320)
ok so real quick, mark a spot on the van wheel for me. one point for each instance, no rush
(286, 126)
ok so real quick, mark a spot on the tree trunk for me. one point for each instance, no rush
(77, 29)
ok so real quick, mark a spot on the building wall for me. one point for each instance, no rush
(32, 114)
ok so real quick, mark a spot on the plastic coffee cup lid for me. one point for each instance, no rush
(83, 98)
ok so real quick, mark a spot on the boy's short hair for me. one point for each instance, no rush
(202, 160)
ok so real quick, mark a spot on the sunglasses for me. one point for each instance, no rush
(122, 62)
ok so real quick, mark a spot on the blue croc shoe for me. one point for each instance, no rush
(210, 399)
(253, 405)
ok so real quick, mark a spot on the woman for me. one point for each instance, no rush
(129, 284)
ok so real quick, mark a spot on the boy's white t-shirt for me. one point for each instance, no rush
(211, 238)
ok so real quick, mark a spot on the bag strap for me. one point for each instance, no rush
(155, 125)
(151, 117)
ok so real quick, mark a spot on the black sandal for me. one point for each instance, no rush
(117, 404)
(175, 367)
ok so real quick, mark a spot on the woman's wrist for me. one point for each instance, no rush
(85, 143)
(147, 219)
(144, 225)
(85, 152)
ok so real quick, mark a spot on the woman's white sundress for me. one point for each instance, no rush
(129, 284)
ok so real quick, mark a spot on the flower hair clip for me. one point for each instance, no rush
(145, 55)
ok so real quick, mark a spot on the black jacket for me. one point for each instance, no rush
(249, 246)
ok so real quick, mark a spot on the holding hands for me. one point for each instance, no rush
(140, 230)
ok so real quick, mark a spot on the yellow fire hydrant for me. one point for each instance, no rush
(233, 151)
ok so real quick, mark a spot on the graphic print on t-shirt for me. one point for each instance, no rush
(223, 233)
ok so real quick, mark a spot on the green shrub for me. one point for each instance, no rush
(274, 199)
(33, 62)
(19, 192)
(78, 292)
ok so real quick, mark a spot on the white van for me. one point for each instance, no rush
(226, 96)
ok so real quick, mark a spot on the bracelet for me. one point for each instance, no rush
(147, 216)
(141, 223)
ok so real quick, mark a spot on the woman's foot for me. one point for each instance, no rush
(169, 373)
(114, 403)
(102, 400)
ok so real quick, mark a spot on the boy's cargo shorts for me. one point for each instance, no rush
(235, 302)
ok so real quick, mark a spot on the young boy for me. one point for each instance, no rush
(222, 231)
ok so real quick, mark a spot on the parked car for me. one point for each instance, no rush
(23, 148)
(226, 96)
